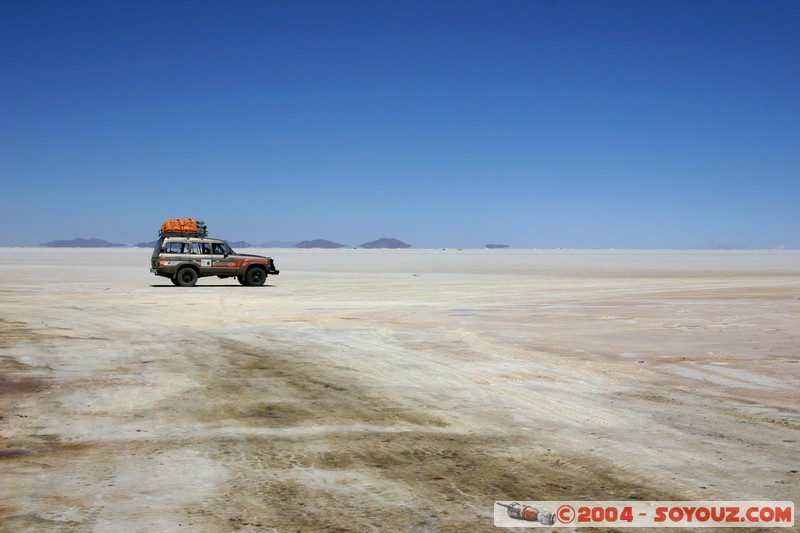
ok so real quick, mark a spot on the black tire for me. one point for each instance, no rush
(242, 280)
(174, 280)
(256, 276)
(186, 277)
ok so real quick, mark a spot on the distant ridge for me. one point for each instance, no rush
(81, 243)
(318, 243)
(234, 244)
(386, 242)
(497, 246)
(278, 244)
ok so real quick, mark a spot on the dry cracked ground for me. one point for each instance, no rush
(388, 390)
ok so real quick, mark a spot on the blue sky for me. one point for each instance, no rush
(656, 124)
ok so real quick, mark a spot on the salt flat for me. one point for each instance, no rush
(391, 389)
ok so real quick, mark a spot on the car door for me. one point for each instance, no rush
(223, 261)
(201, 256)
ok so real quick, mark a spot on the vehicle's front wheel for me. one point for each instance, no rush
(186, 277)
(174, 280)
(242, 280)
(256, 276)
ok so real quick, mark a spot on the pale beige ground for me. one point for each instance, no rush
(391, 390)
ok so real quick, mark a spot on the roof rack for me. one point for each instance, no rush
(182, 234)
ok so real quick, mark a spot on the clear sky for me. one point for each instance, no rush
(533, 123)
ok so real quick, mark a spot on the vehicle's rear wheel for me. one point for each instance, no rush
(242, 280)
(256, 276)
(186, 277)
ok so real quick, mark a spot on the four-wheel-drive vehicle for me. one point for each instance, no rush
(185, 258)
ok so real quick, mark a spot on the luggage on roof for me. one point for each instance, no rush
(183, 226)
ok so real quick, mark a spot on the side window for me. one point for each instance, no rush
(174, 247)
(219, 248)
(202, 248)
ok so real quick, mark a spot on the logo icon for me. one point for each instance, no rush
(518, 511)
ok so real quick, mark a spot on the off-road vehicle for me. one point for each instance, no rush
(185, 258)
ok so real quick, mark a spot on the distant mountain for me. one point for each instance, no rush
(81, 243)
(497, 246)
(318, 243)
(386, 242)
(236, 244)
(278, 244)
